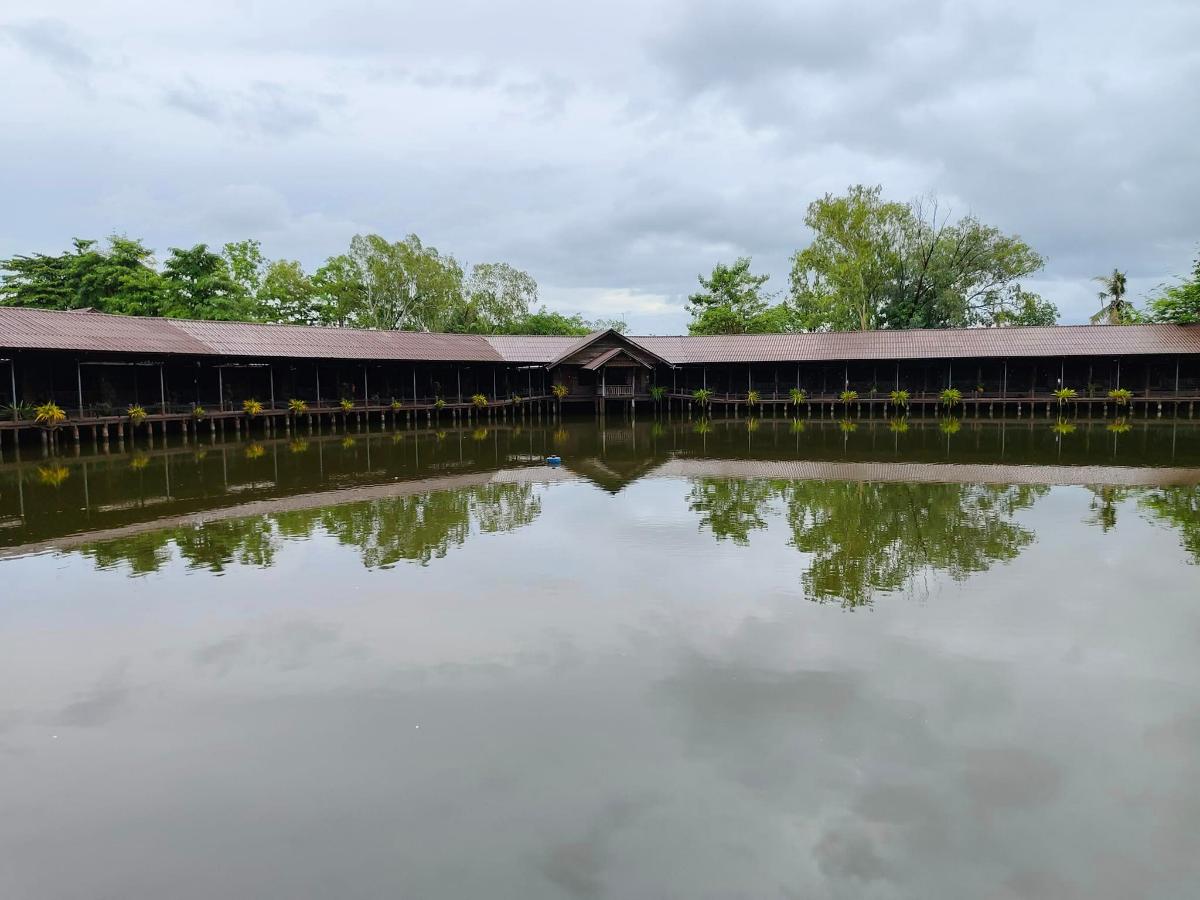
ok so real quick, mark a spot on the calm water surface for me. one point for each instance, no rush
(726, 659)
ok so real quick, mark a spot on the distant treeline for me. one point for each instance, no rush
(872, 263)
(376, 284)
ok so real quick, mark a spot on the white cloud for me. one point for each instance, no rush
(614, 151)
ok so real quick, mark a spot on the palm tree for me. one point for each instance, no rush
(1113, 306)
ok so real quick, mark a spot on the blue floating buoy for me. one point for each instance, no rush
(554, 460)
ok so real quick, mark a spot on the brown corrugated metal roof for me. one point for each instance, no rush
(98, 332)
(39, 329)
(530, 348)
(959, 343)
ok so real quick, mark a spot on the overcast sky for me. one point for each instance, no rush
(614, 150)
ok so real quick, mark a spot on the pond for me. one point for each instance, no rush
(765, 658)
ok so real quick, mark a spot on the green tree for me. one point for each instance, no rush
(1114, 308)
(843, 279)
(286, 294)
(337, 291)
(495, 297)
(958, 274)
(404, 284)
(246, 265)
(1021, 307)
(879, 264)
(199, 286)
(544, 321)
(119, 279)
(1179, 303)
(732, 301)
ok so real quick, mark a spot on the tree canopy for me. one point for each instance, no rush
(733, 301)
(879, 264)
(1179, 303)
(376, 283)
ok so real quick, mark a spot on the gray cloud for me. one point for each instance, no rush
(615, 151)
(53, 41)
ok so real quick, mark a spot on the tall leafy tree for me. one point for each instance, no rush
(337, 291)
(495, 297)
(1179, 303)
(404, 284)
(879, 264)
(285, 294)
(955, 274)
(844, 278)
(246, 265)
(199, 286)
(733, 300)
(119, 279)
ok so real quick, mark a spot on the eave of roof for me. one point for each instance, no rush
(609, 355)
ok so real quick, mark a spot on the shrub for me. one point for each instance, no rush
(49, 414)
(951, 397)
(657, 392)
(18, 411)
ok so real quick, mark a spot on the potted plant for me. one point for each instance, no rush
(703, 396)
(1120, 396)
(847, 397)
(252, 407)
(1065, 395)
(49, 415)
(899, 399)
(297, 407)
(752, 398)
(136, 414)
(798, 396)
(479, 401)
(951, 397)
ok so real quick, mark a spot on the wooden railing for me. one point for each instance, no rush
(614, 390)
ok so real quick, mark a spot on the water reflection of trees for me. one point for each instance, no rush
(1175, 506)
(416, 528)
(1178, 507)
(872, 537)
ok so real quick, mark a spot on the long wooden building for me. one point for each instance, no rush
(95, 366)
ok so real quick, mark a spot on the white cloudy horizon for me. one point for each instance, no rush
(614, 152)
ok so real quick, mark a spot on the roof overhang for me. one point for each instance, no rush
(605, 358)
